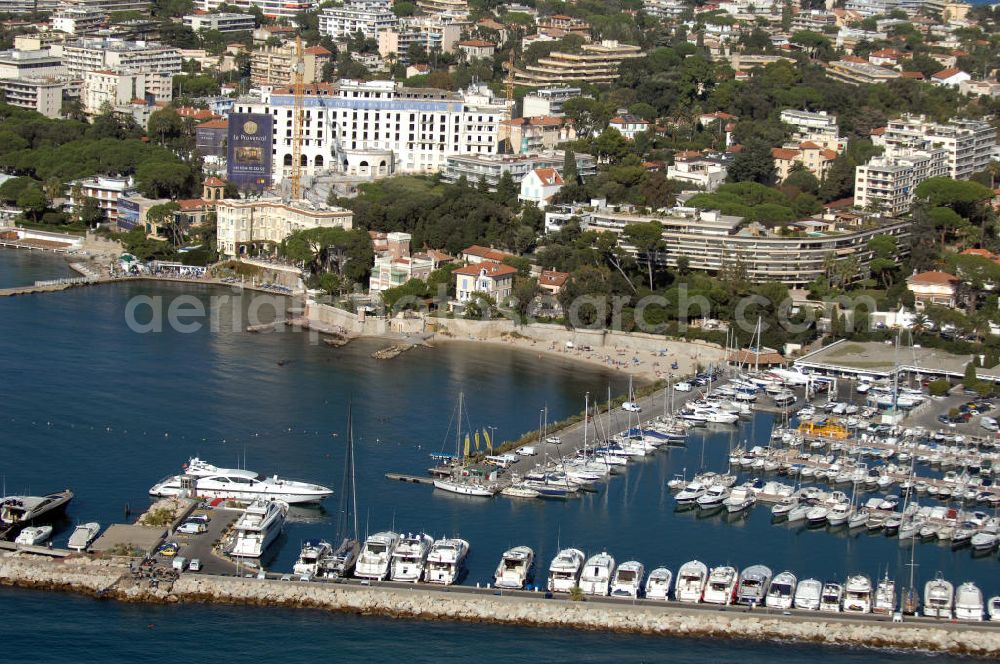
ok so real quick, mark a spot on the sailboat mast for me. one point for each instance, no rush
(458, 427)
(586, 415)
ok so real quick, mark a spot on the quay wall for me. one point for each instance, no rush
(112, 579)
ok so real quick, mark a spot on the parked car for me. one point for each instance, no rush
(631, 407)
(527, 450)
(683, 387)
(989, 423)
(191, 527)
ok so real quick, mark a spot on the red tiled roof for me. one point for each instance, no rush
(878, 131)
(840, 203)
(484, 252)
(214, 124)
(933, 278)
(477, 43)
(549, 176)
(784, 154)
(946, 73)
(552, 278)
(213, 181)
(317, 50)
(918, 75)
(809, 145)
(985, 253)
(491, 270)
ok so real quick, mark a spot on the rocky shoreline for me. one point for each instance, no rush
(112, 578)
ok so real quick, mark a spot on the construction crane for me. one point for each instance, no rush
(298, 118)
(510, 86)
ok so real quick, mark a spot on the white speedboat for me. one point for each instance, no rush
(808, 594)
(839, 514)
(257, 527)
(799, 512)
(832, 597)
(691, 493)
(753, 584)
(781, 592)
(714, 497)
(968, 602)
(739, 500)
(691, 579)
(781, 509)
(627, 581)
(84, 534)
(885, 597)
(207, 481)
(721, 587)
(858, 594)
(564, 571)
(993, 608)
(817, 515)
(595, 579)
(310, 557)
(446, 561)
(515, 568)
(938, 597)
(376, 556)
(658, 583)
(984, 541)
(33, 535)
(409, 558)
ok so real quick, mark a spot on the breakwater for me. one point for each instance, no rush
(113, 578)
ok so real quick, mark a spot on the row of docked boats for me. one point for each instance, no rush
(387, 556)
(27, 520)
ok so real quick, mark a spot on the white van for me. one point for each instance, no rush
(989, 423)
(179, 563)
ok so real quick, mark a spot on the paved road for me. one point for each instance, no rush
(201, 546)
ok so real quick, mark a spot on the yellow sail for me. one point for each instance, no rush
(477, 441)
(466, 444)
(489, 444)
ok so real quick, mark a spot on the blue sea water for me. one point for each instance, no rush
(87, 403)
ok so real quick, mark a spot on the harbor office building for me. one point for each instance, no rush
(795, 255)
(378, 128)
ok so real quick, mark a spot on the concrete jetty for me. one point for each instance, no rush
(114, 578)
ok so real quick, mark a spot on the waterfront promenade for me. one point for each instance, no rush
(113, 578)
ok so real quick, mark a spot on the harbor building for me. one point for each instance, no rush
(596, 63)
(378, 128)
(223, 22)
(264, 223)
(368, 18)
(794, 255)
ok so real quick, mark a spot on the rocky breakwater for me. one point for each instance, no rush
(80, 574)
(673, 620)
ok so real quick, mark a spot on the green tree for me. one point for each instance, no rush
(884, 257)
(507, 191)
(753, 164)
(647, 238)
(570, 175)
(32, 202)
(523, 294)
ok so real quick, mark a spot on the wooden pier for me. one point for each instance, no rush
(415, 479)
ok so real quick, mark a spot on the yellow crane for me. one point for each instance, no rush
(298, 118)
(510, 86)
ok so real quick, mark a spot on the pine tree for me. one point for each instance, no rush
(570, 175)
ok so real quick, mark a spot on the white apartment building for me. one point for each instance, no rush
(548, 101)
(223, 22)
(367, 17)
(265, 223)
(698, 171)
(44, 95)
(103, 189)
(664, 8)
(78, 20)
(967, 143)
(95, 54)
(270, 8)
(117, 88)
(820, 128)
(888, 184)
(28, 6)
(433, 33)
(492, 167)
(109, 6)
(24, 64)
(377, 128)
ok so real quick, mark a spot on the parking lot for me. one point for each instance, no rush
(201, 545)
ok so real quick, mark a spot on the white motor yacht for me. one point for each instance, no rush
(993, 608)
(781, 509)
(739, 500)
(858, 594)
(446, 561)
(26, 510)
(258, 526)
(410, 557)
(832, 597)
(799, 512)
(691, 579)
(781, 592)
(33, 535)
(817, 515)
(84, 535)
(627, 581)
(808, 594)
(313, 551)
(714, 497)
(885, 597)
(658, 583)
(968, 602)
(721, 587)
(376, 555)
(839, 514)
(753, 585)
(691, 493)
(597, 574)
(207, 481)
(938, 597)
(564, 571)
(515, 568)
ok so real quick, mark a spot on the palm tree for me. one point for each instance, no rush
(920, 323)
